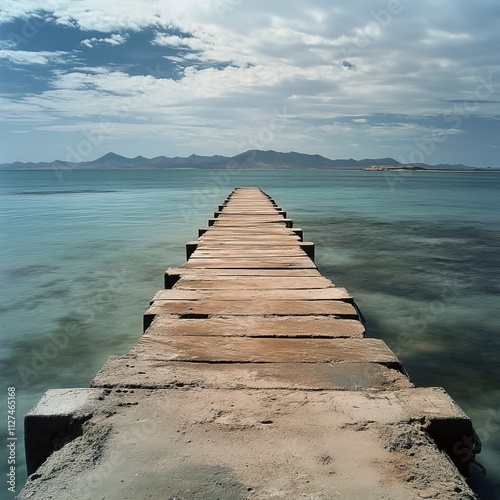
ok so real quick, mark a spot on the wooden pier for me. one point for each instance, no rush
(253, 379)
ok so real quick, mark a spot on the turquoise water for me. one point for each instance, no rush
(83, 252)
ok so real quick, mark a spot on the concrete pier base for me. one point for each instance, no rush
(190, 442)
(57, 419)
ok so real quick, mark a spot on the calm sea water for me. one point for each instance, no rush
(83, 252)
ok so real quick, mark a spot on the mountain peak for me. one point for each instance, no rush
(251, 159)
(110, 156)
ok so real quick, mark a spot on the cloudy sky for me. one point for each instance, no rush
(413, 80)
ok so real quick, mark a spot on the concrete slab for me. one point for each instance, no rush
(331, 293)
(269, 229)
(259, 326)
(56, 418)
(266, 350)
(253, 230)
(245, 272)
(172, 275)
(271, 215)
(258, 307)
(260, 225)
(149, 372)
(256, 241)
(266, 215)
(241, 211)
(251, 263)
(250, 283)
(271, 249)
(204, 443)
(244, 252)
(222, 236)
(65, 402)
(248, 242)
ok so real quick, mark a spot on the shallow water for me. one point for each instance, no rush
(83, 252)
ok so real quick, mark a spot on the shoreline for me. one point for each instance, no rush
(354, 169)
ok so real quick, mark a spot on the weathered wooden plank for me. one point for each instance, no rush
(248, 201)
(231, 239)
(256, 307)
(238, 220)
(261, 215)
(235, 245)
(258, 326)
(244, 228)
(261, 225)
(242, 211)
(251, 242)
(204, 273)
(249, 283)
(269, 248)
(156, 373)
(251, 263)
(234, 220)
(249, 231)
(332, 293)
(266, 350)
(243, 253)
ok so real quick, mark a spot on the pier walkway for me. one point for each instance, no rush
(253, 379)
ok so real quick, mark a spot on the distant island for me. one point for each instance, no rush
(252, 159)
(402, 168)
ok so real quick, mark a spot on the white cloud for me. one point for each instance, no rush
(115, 39)
(114, 15)
(28, 57)
(238, 60)
(180, 42)
(175, 59)
(435, 36)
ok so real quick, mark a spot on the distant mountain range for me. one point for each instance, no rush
(252, 159)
